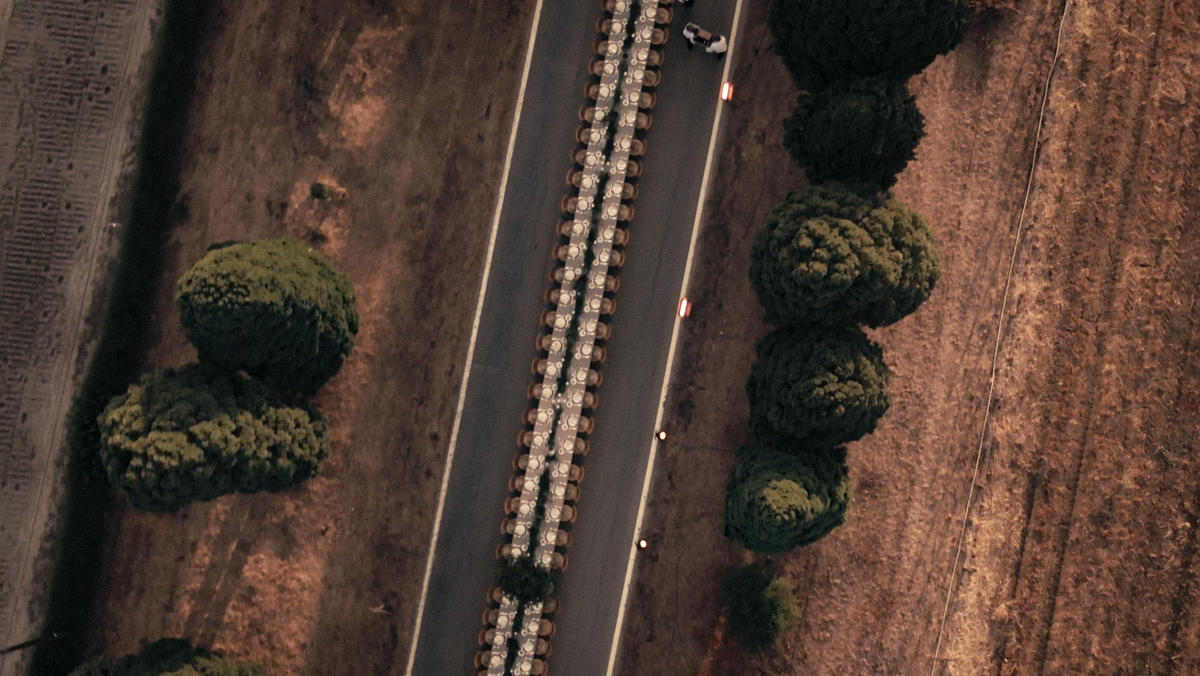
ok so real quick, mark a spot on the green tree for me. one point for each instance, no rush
(170, 657)
(775, 501)
(825, 41)
(758, 608)
(196, 433)
(828, 256)
(273, 308)
(524, 580)
(821, 389)
(865, 132)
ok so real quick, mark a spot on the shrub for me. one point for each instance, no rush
(170, 657)
(524, 580)
(195, 433)
(273, 308)
(825, 41)
(866, 131)
(828, 256)
(822, 389)
(775, 502)
(759, 609)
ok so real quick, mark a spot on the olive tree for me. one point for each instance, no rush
(830, 256)
(273, 308)
(820, 389)
(825, 41)
(863, 132)
(775, 501)
(759, 609)
(170, 657)
(196, 433)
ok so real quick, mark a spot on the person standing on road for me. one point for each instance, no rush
(718, 45)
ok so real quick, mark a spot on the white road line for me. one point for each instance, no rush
(462, 392)
(666, 383)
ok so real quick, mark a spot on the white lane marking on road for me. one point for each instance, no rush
(662, 397)
(462, 392)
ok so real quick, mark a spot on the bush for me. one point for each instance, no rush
(825, 41)
(195, 433)
(273, 308)
(524, 580)
(170, 657)
(828, 256)
(759, 609)
(775, 502)
(866, 131)
(822, 389)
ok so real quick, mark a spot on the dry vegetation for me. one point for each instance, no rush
(406, 108)
(1080, 550)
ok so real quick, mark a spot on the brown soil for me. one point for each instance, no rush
(408, 109)
(1079, 554)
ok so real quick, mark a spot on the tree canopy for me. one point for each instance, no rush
(524, 580)
(864, 131)
(196, 433)
(829, 256)
(273, 308)
(825, 41)
(758, 608)
(775, 501)
(170, 657)
(821, 388)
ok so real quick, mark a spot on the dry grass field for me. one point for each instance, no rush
(1079, 551)
(407, 106)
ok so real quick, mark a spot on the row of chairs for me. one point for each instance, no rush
(553, 296)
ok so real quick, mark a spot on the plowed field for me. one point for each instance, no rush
(1080, 546)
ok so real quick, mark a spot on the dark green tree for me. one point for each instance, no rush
(821, 389)
(775, 501)
(829, 256)
(524, 580)
(758, 608)
(862, 132)
(196, 433)
(825, 41)
(273, 308)
(170, 657)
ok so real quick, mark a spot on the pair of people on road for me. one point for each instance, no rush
(713, 43)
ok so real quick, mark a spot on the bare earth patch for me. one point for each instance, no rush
(1079, 555)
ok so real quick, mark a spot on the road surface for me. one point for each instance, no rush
(464, 561)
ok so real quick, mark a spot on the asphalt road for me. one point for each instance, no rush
(464, 562)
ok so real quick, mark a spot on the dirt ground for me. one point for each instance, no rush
(407, 105)
(1079, 555)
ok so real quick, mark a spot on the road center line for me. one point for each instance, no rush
(662, 397)
(462, 392)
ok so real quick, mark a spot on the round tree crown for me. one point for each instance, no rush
(196, 433)
(819, 389)
(273, 308)
(774, 501)
(826, 41)
(863, 132)
(829, 256)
